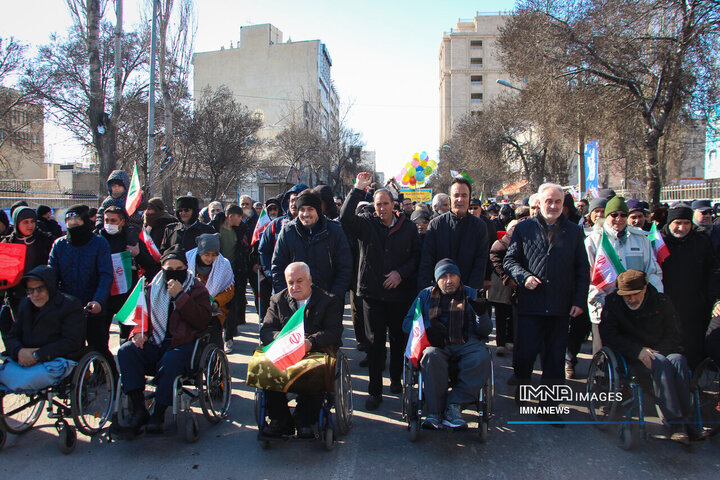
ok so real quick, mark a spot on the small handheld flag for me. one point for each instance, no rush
(607, 264)
(134, 311)
(418, 341)
(134, 194)
(289, 346)
(260, 226)
(122, 273)
(658, 244)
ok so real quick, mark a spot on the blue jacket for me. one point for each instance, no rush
(84, 272)
(324, 248)
(478, 327)
(268, 239)
(561, 265)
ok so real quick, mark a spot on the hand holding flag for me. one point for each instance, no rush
(289, 346)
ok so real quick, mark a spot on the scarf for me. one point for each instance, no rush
(80, 235)
(456, 315)
(221, 276)
(160, 304)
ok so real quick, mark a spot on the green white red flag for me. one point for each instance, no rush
(418, 341)
(122, 273)
(289, 346)
(607, 264)
(658, 244)
(134, 194)
(135, 311)
(152, 248)
(260, 226)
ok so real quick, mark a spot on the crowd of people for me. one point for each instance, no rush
(453, 260)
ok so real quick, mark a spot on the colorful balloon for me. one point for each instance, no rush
(428, 170)
(433, 164)
(403, 171)
(415, 163)
(412, 172)
(408, 166)
(398, 177)
(413, 181)
(418, 168)
(423, 156)
(406, 178)
(417, 155)
(420, 176)
(423, 163)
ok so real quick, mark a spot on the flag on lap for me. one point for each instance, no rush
(607, 264)
(417, 342)
(289, 346)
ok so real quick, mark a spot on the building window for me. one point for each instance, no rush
(476, 97)
(476, 62)
(476, 79)
(475, 113)
(476, 43)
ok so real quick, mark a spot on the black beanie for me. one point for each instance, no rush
(326, 195)
(176, 252)
(42, 210)
(308, 198)
(82, 211)
(273, 201)
(23, 213)
(679, 211)
(14, 206)
(188, 202)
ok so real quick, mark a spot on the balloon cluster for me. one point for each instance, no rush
(415, 172)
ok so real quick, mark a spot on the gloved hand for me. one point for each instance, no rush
(480, 305)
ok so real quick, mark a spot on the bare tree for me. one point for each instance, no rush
(12, 126)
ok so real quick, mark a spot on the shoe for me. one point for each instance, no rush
(500, 351)
(696, 434)
(396, 387)
(278, 428)
(431, 422)
(679, 436)
(305, 432)
(453, 417)
(361, 347)
(509, 347)
(373, 402)
(138, 420)
(552, 417)
(513, 380)
(569, 371)
(364, 362)
(228, 346)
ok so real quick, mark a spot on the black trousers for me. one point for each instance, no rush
(546, 335)
(358, 319)
(265, 294)
(580, 327)
(307, 410)
(503, 324)
(98, 337)
(382, 317)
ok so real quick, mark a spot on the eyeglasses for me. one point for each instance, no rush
(619, 214)
(706, 212)
(184, 210)
(474, 208)
(30, 290)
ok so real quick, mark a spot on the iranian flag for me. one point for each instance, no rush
(417, 342)
(289, 346)
(658, 244)
(607, 264)
(148, 241)
(134, 194)
(135, 311)
(122, 273)
(260, 226)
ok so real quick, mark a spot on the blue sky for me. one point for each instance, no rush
(385, 56)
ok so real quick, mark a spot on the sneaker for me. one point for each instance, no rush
(500, 351)
(678, 434)
(431, 422)
(278, 428)
(453, 417)
(228, 346)
(373, 402)
(395, 386)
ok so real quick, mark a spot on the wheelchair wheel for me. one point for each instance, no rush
(20, 411)
(67, 437)
(343, 395)
(414, 431)
(329, 438)
(92, 394)
(705, 384)
(603, 380)
(215, 384)
(486, 404)
(192, 428)
(259, 409)
(628, 436)
(3, 438)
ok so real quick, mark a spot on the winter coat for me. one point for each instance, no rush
(84, 272)
(191, 315)
(179, 234)
(465, 240)
(57, 329)
(268, 240)
(324, 248)
(135, 222)
(322, 319)
(382, 250)
(653, 325)
(691, 277)
(475, 326)
(158, 226)
(36, 254)
(500, 290)
(50, 226)
(561, 265)
(634, 251)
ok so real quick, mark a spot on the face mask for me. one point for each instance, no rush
(112, 229)
(179, 275)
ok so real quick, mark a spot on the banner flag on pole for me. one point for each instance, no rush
(260, 226)
(418, 341)
(134, 194)
(150, 245)
(658, 244)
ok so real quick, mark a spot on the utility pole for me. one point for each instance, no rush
(581, 163)
(151, 102)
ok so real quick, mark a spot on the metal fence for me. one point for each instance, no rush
(702, 190)
(52, 200)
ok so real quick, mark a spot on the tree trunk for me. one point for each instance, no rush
(652, 169)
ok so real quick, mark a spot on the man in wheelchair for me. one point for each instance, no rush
(640, 323)
(50, 325)
(179, 308)
(457, 325)
(323, 333)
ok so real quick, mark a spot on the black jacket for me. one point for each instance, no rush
(322, 322)
(177, 233)
(37, 253)
(465, 240)
(691, 277)
(561, 265)
(382, 250)
(50, 226)
(324, 248)
(57, 329)
(653, 325)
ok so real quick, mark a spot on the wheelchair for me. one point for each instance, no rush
(706, 395)
(610, 374)
(335, 418)
(206, 382)
(86, 396)
(413, 401)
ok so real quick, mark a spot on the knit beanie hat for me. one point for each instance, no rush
(176, 252)
(445, 266)
(23, 213)
(308, 198)
(208, 242)
(616, 204)
(42, 210)
(157, 204)
(598, 202)
(634, 206)
(679, 211)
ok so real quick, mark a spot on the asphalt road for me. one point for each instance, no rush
(378, 445)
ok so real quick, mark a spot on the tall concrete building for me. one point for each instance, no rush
(469, 69)
(280, 81)
(22, 145)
